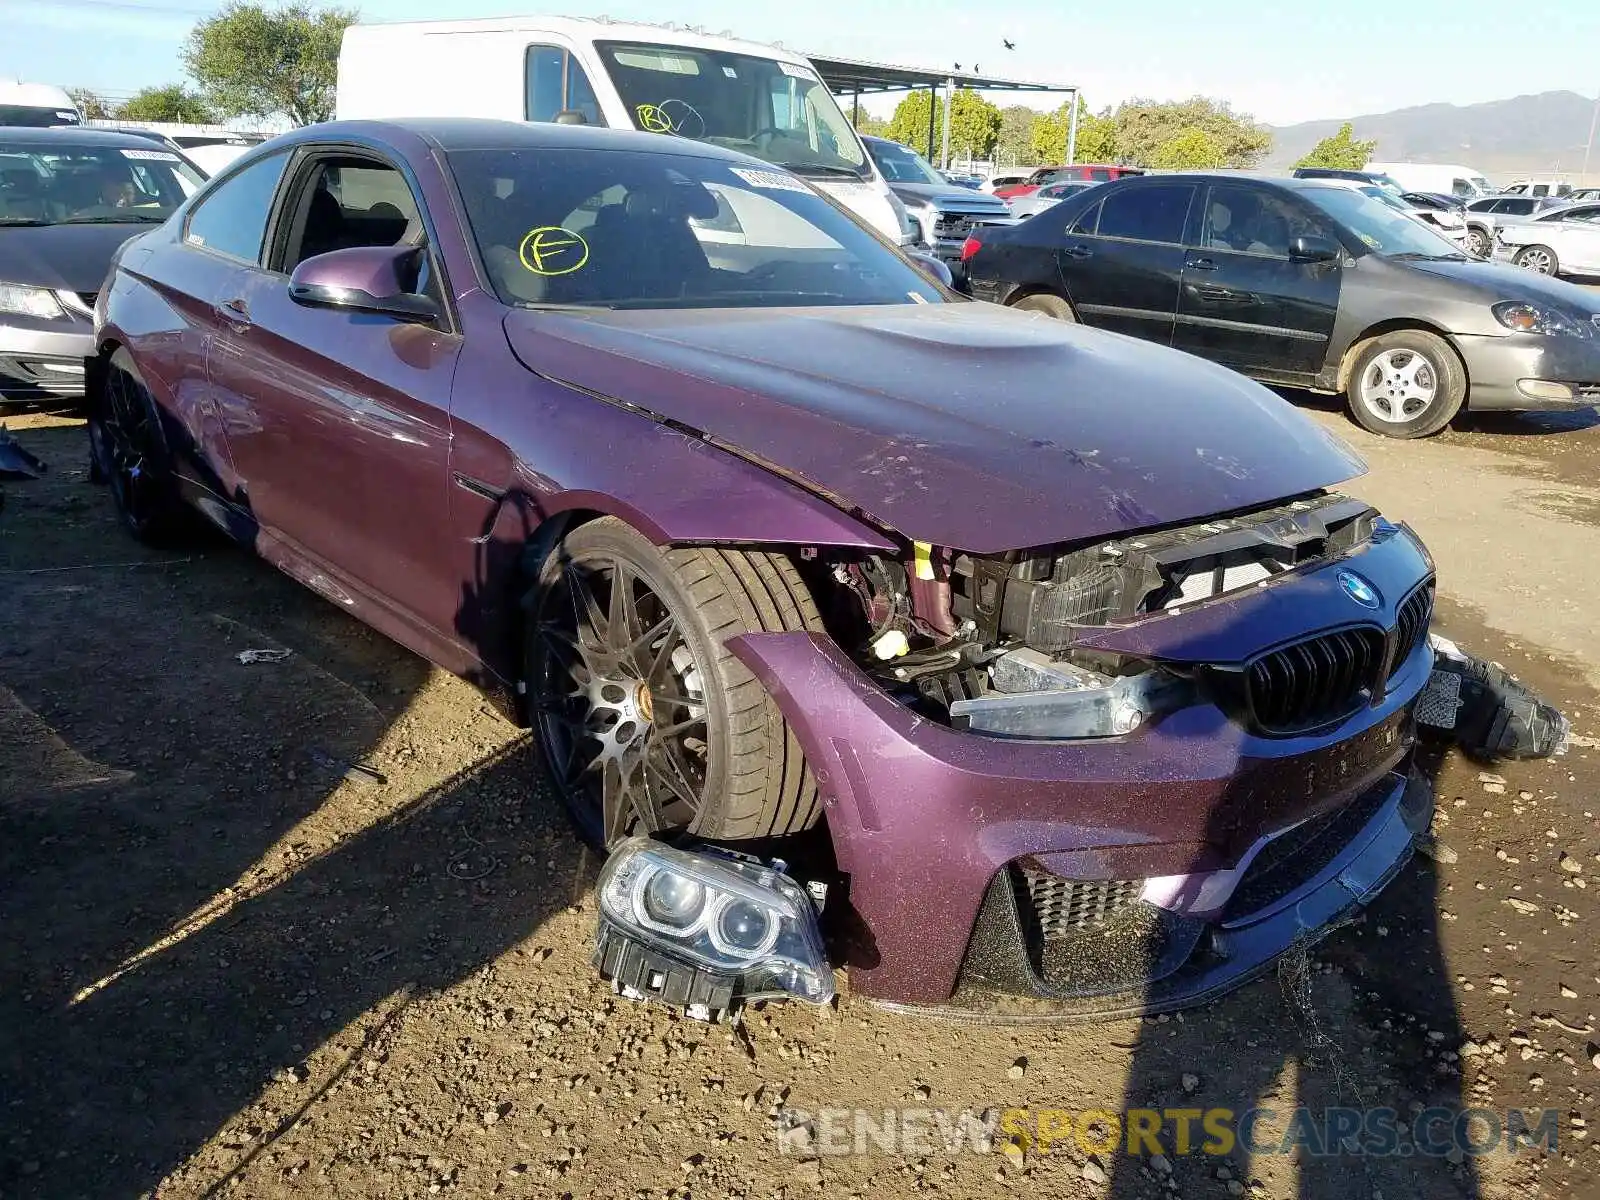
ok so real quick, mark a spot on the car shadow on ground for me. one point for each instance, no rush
(1494, 424)
(184, 921)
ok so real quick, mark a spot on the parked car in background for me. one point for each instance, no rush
(1443, 219)
(1087, 172)
(1002, 179)
(662, 79)
(1563, 242)
(36, 105)
(1047, 197)
(941, 213)
(1486, 215)
(1377, 178)
(530, 431)
(1558, 188)
(1584, 195)
(960, 179)
(68, 199)
(1450, 179)
(1308, 283)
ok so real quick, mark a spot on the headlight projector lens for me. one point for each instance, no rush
(744, 927)
(674, 899)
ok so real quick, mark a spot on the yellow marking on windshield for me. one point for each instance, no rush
(653, 120)
(552, 250)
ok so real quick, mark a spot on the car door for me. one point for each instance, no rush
(1245, 301)
(1122, 260)
(224, 229)
(1577, 244)
(339, 426)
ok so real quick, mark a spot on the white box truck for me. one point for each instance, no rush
(1440, 179)
(761, 100)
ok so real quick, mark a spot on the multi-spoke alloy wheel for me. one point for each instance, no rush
(647, 723)
(620, 703)
(130, 453)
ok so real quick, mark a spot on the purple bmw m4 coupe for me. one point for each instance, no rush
(1058, 639)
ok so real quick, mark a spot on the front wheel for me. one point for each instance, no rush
(647, 722)
(1406, 384)
(1050, 306)
(128, 451)
(1478, 242)
(1541, 259)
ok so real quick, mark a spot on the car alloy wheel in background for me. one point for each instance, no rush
(1541, 259)
(1478, 242)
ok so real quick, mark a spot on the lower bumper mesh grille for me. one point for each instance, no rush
(1063, 907)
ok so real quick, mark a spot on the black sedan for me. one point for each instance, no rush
(1305, 283)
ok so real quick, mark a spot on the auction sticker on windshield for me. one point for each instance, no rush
(796, 72)
(150, 155)
(774, 180)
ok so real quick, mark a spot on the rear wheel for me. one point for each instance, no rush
(128, 451)
(647, 722)
(1406, 384)
(1539, 258)
(1050, 306)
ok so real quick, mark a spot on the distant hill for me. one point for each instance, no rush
(1543, 134)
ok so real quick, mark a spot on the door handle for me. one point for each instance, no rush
(1079, 252)
(235, 310)
(1200, 264)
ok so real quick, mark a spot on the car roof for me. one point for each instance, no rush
(76, 135)
(474, 133)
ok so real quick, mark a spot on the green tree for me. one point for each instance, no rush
(974, 125)
(1014, 145)
(1341, 151)
(255, 61)
(1143, 127)
(871, 126)
(1097, 135)
(93, 106)
(171, 102)
(1190, 150)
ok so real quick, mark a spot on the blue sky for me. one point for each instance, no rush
(1296, 63)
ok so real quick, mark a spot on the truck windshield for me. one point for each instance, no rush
(902, 164)
(31, 116)
(778, 111)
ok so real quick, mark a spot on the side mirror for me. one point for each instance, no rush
(1312, 249)
(936, 269)
(367, 279)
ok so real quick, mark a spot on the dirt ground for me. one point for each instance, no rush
(226, 968)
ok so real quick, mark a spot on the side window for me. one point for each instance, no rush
(1253, 221)
(347, 203)
(233, 219)
(1147, 214)
(1087, 224)
(556, 83)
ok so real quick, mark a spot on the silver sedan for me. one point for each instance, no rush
(1047, 197)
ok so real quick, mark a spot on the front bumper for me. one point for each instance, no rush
(924, 818)
(43, 360)
(1506, 373)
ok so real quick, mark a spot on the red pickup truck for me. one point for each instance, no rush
(1095, 172)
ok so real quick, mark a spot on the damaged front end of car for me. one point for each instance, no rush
(1089, 781)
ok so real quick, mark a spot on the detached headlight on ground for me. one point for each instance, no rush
(24, 301)
(1536, 318)
(702, 929)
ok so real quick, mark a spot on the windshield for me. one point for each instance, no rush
(902, 164)
(1387, 230)
(774, 110)
(64, 183)
(627, 229)
(29, 116)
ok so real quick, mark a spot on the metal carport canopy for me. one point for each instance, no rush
(854, 77)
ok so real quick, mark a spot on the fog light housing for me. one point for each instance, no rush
(1546, 389)
(703, 929)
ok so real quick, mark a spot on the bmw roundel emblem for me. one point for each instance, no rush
(1359, 590)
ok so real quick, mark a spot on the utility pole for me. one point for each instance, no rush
(1594, 116)
(949, 97)
(1072, 130)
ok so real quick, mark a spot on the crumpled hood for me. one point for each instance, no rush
(74, 258)
(964, 425)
